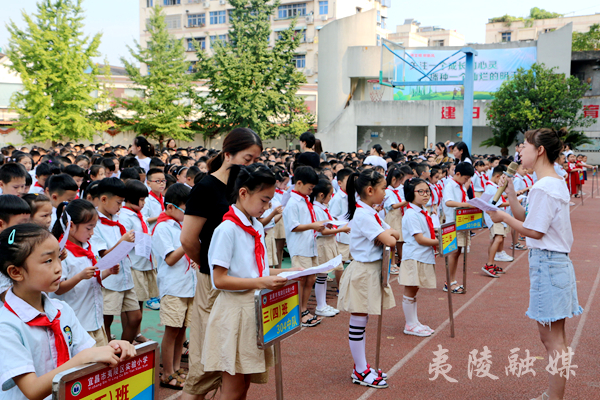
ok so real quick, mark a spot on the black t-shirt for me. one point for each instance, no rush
(309, 158)
(208, 199)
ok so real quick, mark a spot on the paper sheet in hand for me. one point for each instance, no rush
(115, 256)
(143, 244)
(331, 264)
(285, 198)
(66, 230)
(335, 222)
(436, 221)
(482, 205)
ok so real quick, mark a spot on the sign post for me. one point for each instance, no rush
(277, 317)
(134, 378)
(386, 264)
(468, 219)
(448, 244)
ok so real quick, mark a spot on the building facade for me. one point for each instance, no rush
(412, 34)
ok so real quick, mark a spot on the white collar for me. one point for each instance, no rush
(366, 206)
(341, 193)
(320, 205)
(100, 215)
(416, 208)
(298, 196)
(241, 216)
(26, 312)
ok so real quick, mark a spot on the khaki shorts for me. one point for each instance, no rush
(304, 262)
(345, 252)
(499, 230)
(100, 337)
(144, 284)
(463, 239)
(416, 273)
(175, 311)
(117, 302)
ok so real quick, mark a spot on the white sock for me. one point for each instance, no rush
(321, 291)
(356, 338)
(409, 305)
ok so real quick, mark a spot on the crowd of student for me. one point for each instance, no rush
(219, 224)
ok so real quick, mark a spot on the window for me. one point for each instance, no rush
(378, 40)
(192, 67)
(324, 7)
(437, 42)
(506, 36)
(383, 22)
(218, 17)
(171, 2)
(196, 20)
(292, 10)
(297, 32)
(148, 3)
(222, 38)
(299, 60)
(379, 17)
(201, 41)
(173, 21)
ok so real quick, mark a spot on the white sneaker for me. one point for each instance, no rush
(505, 254)
(502, 257)
(324, 312)
(335, 310)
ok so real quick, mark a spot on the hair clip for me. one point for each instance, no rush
(11, 237)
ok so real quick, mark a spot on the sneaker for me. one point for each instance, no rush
(505, 254)
(417, 330)
(324, 312)
(489, 270)
(498, 270)
(153, 305)
(335, 310)
(502, 257)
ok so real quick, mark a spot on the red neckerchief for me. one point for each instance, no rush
(462, 189)
(106, 221)
(38, 184)
(139, 215)
(433, 189)
(481, 180)
(259, 249)
(376, 215)
(438, 189)
(313, 216)
(62, 351)
(395, 191)
(490, 183)
(530, 179)
(164, 217)
(159, 199)
(79, 251)
(324, 208)
(278, 191)
(429, 222)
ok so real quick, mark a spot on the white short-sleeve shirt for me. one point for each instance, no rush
(391, 198)
(177, 280)
(151, 209)
(414, 222)
(338, 208)
(274, 204)
(296, 213)
(547, 211)
(27, 349)
(519, 182)
(451, 192)
(365, 230)
(144, 163)
(233, 248)
(130, 220)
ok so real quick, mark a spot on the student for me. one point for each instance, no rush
(360, 288)
(572, 168)
(301, 227)
(546, 223)
(41, 337)
(436, 192)
(176, 283)
(478, 178)
(130, 174)
(60, 188)
(394, 206)
(12, 179)
(41, 209)
(155, 179)
(81, 283)
(326, 244)
(417, 269)
(142, 271)
(338, 207)
(238, 266)
(181, 174)
(110, 167)
(282, 178)
(269, 219)
(455, 195)
(190, 176)
(78, 175)
(143, 151)
(118, 290)
(97, 172)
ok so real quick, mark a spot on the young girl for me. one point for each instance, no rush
(546, 223)
(436, 191)
(394, 206)
(573, 169)
(41, 209)
(418, 258)
(269, 219)
(81, 284)
(360, 288)
(282, 178)
(41, 337)
(327, 248)
(238, 265)
(97, 172)
(478, 179)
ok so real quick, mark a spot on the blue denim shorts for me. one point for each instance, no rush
(553, 288)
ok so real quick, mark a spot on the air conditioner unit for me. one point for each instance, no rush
(309, 72)
(310, 39)
(310, 19)
(222, 2)
(206, 4)
(196, 1)
(323, 17)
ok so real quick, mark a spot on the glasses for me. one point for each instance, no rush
(183, 211)
(159, 181)
(422, 192)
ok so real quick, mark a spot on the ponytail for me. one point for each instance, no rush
(145, 146)
(57, 229)
(81, 212)
(237, 140)
(350, 189)
(357, 183)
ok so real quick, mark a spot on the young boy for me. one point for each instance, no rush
(13, 211)
(155, 179)
(60, 188)
(498, 231)
(338, 207)
(423, 171)
(119, 295)
(176, 283)
(455, 195)
(144, 276)
(78, 175)
(12, 179)
(300, 223)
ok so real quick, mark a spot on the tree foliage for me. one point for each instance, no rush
(54, 61)
(534, 13)
(251, 84)
(587, 41)
(536, 98)
(168, 96)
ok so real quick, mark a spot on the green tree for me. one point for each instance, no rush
(540, 13)
(168, 97)
(54, 61)
(587, 41)
(536, 98)
(250, 84)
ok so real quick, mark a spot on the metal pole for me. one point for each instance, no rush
(385, 265)
(581, 192)
(379, 328)
(465, 264)
(278, 371)
(450, 310)
(467, 134)
(512, 236)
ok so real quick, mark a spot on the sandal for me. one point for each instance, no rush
(141, 338)
(445, 289)
(182, 373)
(314, 321)
(394, 270)
(166, 382)
(460, 289)
(360, 379)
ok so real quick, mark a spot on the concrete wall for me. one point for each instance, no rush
(554, 49)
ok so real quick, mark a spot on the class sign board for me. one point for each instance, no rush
(469, 219)
(277, 314)
(448, 242)
(133, 379)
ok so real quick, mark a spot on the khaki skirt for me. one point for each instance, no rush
(230, 342)
(279, 230)
(271, 248)
(394, 220)
(416, 273)
(360, 289)
(327, 249)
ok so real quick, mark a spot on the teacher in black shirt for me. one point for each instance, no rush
(308, 157)
(208, 202)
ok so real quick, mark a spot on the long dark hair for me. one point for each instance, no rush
(144, 144)
(465, 151)
(237, 140)
(442, 146)
(357, 183)
(81, 212)
(549, 138)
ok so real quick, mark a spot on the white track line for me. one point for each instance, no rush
(583, 318)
